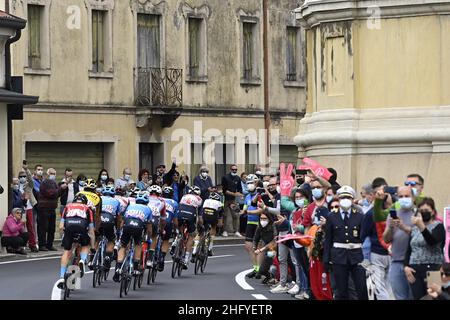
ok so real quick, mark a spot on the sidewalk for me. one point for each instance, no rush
(43, 254)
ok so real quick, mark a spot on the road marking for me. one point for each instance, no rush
(259, 296)
(28, 260)
(240, 279)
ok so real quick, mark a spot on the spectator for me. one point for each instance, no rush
(124, 181)
(144, 180)
(441, 292)
(366, 202)
(69, 188)
(416, 183)
(397, 233)
(160, 172)
(17, 198)
(330, 194)
(265, 233)
(38, 177)
(159, 180)
(47, 203)
(14, 237)
(172, 179)
(204, 182)
(378, 253)
(103, 177)
(26, 187)
(240, 201)
(424, 252)
(81, 181)
(231, 185)
(333, 180)
(317, 190)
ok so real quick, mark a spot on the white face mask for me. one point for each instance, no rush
(271, 254)
(251, 187)
(22, 180)
(16, 187)
(205, 174)
(39, 173)
(405, 203)
(264, 223)
(265, 184)
(127, 177)
(234, 174)
(329, 198)
(345, 203)
(104, 177)
(300, 203)
(52, 177)
(414, 192)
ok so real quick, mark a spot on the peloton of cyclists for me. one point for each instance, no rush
(171, 223)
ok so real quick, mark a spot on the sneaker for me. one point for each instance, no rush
(20, 251)
(290, 285)
(237, 234)
(266, 280)
(225, 234)
(184, 265)
(82, 268)
(302, 296)
(273, 282)
(52, 249)
(279, 289)
(61, 284)
(137, 273)
(43, 249)
(294, 290)
(251, 274)
(107, 263)
(34, 249)
(258, 276)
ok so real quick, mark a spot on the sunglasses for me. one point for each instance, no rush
(411, 183)
(234, 170)
(335, 207)
(22, 176)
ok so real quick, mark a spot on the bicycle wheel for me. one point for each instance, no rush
(135, 282)
(105, 274)
(94, 278)
(174, 267)
(128, 284)
(205, 260)
(149, 277)
(123, 285)
(180, 268)
(198, 263)
(99, 276)
(154, 272)
(141, 279)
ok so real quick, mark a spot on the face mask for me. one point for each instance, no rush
(329, 198)
(300, 181)
(103, 177)
(40, 173)
(317, 193)
(234, 174)
(405, 203)
(251, 187)
(16, 187)
(278, 189)
(258, 173)
(204, 174)
(110, 185)
(445, 285)
(81, 183)
(300, 203)
(414, 191)
(265, 184)
(23, 180)
(365, 203)
(426, 215)
(264, 223)
(271, 254)
(345, 203)
(52, 177)
(127, 177)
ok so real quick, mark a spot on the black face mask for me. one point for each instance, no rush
(300, 181)
(273, 191)
(426, 215)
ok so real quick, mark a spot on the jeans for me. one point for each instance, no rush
(380, 265)
(398, 281)
(302, 280)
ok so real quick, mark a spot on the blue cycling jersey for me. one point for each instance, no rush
(171, 210)
(251, 218)
(138, 211)
(110, 205)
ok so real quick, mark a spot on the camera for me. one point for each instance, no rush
(260, 190)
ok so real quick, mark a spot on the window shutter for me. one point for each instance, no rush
(95, 66)
(291, 52)
(194, 30)
(34, 24)
(248, 50)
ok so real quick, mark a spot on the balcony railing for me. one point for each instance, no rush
(159, 87)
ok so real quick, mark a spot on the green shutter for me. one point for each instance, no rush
(291, 54)
(34, 35)
(98, 56)
(248, 50)
(194, 46)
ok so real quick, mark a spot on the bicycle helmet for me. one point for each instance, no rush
(214, 196)
(195, 190)
(155, 189)
(251, 178)
(142, 198)
(80, 198)
(90, 185)
(134, 192)
(108, 191)
(168, 192)
(119, 191)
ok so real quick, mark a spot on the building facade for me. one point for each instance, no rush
(121, 83)
(377, 97)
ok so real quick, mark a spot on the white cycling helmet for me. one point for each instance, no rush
(155, 189)
(195, 190)
(251, 178)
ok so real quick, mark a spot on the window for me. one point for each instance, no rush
(291, 54)
(194, 46)
(34, 36)
(250, 51)
(148, 40)
(98, 40)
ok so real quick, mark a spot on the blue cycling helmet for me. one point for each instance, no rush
(108, 191)
(142, 198)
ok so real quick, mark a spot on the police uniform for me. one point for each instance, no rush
(343, 248)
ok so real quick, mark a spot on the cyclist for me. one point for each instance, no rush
(189, 208)
(136, 220)
(212, 215)
(77, 219)
(158, 207)
(132, 194)
(123, 200)
(94, 200)
(110, 219)
(253, 212)
(171, 223)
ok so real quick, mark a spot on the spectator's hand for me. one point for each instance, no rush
(280, 220)
(380, 195)
(307, 179)
(418, 221)
(409, 272)
(323, 220)
(434, 290)
(393, 223)
(257, 251)
(261, 204)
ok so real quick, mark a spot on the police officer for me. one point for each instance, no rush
(343, 246)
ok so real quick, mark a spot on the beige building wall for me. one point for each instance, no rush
(377, 103)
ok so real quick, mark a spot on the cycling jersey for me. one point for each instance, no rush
(212, 208)
(171, 210)
(77, 217)
(249, 205)
(137, 215)
(94, 202)
(158, 207)
(188, 210)
(110, 209)
(124, 201)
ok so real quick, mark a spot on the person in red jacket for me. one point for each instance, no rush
(14, 236)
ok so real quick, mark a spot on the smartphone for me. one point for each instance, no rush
(390, 190)
(393, 213)
(434, 277)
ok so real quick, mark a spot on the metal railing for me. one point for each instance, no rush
(159, 87)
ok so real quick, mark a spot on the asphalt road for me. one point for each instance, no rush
(34, 279)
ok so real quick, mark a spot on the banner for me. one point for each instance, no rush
(316, 167)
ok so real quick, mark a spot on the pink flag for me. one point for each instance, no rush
(292, 237)
(316, 167)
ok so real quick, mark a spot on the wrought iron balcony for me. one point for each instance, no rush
(159, 87)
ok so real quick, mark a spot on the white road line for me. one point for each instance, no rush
(240, 279)
(28, 260)
(259, 296)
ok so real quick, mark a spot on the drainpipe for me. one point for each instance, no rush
(266, 78)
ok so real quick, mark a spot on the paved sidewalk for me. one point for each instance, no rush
(42, 254)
